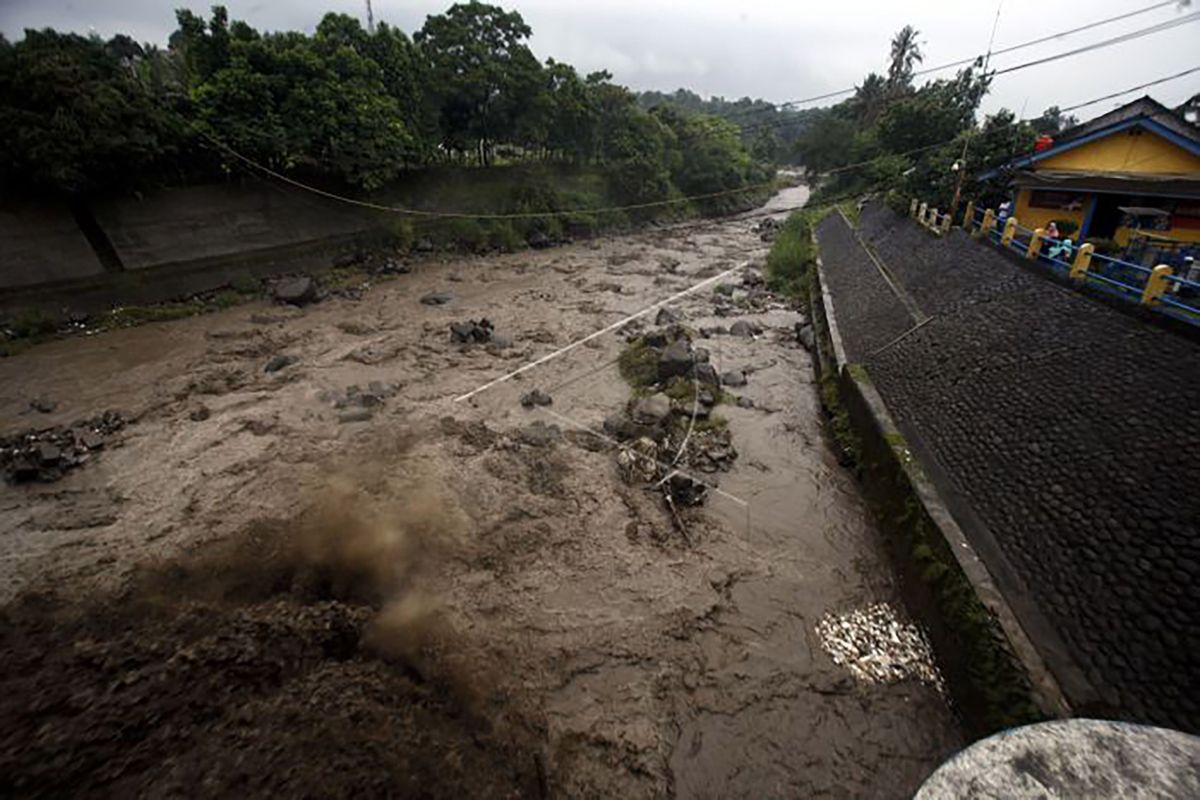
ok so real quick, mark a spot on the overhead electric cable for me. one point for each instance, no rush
(1002, 51)
(634, 206)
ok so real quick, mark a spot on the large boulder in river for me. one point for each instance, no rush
(744, 328)
(651, 410)
(296, 291)
(675, 360)
(707, 375)
(734, 378)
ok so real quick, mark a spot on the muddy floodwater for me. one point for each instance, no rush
(267, 583)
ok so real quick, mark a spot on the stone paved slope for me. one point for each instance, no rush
(869, 313)
(1071, 429)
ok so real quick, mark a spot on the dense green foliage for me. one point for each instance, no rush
(343, 107)
(793, 254)
(770, 132)
(919, 142)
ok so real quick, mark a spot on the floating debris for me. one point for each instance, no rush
(876, 647)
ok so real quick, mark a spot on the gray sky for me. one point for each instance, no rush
(776, 49)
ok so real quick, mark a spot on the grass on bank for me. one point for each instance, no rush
(793, 254)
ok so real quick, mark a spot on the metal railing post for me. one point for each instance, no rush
(921, 213)
(1083, 260)
(1156, 284)
(1035, 243)
(1010, 230)
(912, 208)
(989, 222)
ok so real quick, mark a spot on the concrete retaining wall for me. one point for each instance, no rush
(1064, 437)
(176, 226)
(167, 244)
(41, 243)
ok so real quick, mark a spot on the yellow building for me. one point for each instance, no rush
(1134, 171)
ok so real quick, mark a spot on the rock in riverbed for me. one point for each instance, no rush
(437, 298)
(45, 455)
(295, 291)
(652, 410)
(536, 398)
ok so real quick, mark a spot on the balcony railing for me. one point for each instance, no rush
(1158, 289)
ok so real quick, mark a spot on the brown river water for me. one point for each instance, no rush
(544, 630)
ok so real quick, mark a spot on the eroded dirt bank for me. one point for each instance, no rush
(333, 578)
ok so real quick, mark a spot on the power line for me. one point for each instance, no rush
(635, 206)
(1159, 28)
(971, 60)
(1129, 37)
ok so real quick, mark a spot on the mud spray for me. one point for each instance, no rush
(305, 656)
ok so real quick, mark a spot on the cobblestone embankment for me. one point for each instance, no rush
(1068, 428)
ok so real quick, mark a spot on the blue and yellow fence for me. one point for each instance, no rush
(1157, 288)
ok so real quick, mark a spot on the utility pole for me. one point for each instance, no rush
(370, 19)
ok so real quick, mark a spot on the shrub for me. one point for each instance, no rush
(639, 364)
(467, 234)
(401, 233)
(897, 202)
(791, 255)
(503, 236)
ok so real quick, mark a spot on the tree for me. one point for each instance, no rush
(204, 47)
(77, 117)
(934, 113)
(1052, 121)
(484, 73)
(905, 55)
(316, 103)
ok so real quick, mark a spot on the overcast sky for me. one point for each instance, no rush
(776, 49)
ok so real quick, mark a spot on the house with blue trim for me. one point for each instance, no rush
(1131, 176)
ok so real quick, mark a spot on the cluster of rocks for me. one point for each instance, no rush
(47, 454)
(356, 404)
(478, 332)
(751, 294)
(536, 398)
(768, 229)
(655, 423)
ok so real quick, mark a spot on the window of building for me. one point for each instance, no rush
(1069, 201)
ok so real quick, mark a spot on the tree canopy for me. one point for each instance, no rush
(344, 106)
(892, 134)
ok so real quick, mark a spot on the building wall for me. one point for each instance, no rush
(1133, 150)
(1032, 217)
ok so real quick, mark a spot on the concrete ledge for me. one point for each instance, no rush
(893, 474)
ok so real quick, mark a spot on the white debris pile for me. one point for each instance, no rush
(877, 647)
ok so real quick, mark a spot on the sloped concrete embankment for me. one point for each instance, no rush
(1060, 434)
(993, 671)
